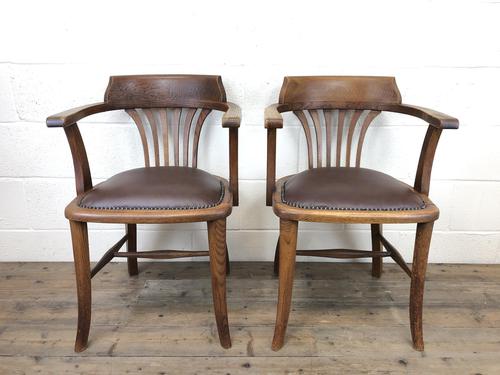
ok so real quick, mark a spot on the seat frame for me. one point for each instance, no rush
(154, 93)
(356, 94)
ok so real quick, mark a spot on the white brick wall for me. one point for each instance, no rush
(56, 55)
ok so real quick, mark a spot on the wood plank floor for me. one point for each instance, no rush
(161, 322)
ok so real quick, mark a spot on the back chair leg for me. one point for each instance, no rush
(79, 237)
(133, 268)
(287, 254)
(217, 251)
(420, 255)
(376, 246)
(277, 258)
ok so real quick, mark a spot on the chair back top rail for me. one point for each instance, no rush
(298, 91)
(163, 91)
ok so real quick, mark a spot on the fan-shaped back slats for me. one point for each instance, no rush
(154, 130)
(307, 132)
(176, 124)
(197, 131)
(356, 121)
(328, 133)
(172, 132)
(352, 126)
(366, 123)
(164, 133)
(142, 132)
(340, 129)
(187, 128)
(319, 137)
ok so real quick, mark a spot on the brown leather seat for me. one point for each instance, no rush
(156, 188)
(341, 188)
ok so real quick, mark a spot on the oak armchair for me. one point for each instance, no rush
(334, 111)
(169, 111)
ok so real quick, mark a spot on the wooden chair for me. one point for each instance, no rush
(169, 111)
(335, 189)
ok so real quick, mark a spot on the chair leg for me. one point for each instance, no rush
(217, 251)
(277, 258)
(228, 267)
(133, 268)
(376, 246)
(420, 255)
(287, 253)
(79, 237)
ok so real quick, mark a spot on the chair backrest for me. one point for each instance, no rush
(323, 103)
(169, 111)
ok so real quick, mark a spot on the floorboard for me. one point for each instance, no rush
(343, 321)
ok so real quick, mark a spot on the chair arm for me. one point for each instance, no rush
(67, 120)
(272, 118)
(73, 115)
(232, 117)
(434, 118)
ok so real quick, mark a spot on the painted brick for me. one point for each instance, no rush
(476, 206)
(7, 106)
(449, 71)
(13, 207)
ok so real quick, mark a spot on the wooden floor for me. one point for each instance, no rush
(161, 322)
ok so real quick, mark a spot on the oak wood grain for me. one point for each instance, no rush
(287, 249)
(218, 259)
(79, 237)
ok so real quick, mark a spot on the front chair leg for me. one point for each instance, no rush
(79, 237)
(217, 252)
(420, 255)
(133, 268)
(287, 253)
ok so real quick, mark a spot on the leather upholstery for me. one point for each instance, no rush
(156, 188)
(341, 188)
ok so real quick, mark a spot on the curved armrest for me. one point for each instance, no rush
(272, 118)
(232, 117)
(73, 115)
(435, 118)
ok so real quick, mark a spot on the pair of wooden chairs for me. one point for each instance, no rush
(169, 111)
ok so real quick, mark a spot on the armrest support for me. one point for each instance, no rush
(271, 165)
(73, 115)
(424, 169)
(272, 117)
(83, 178)
(232, 117)
(434, 118)
(233, 164)
(272, 120)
